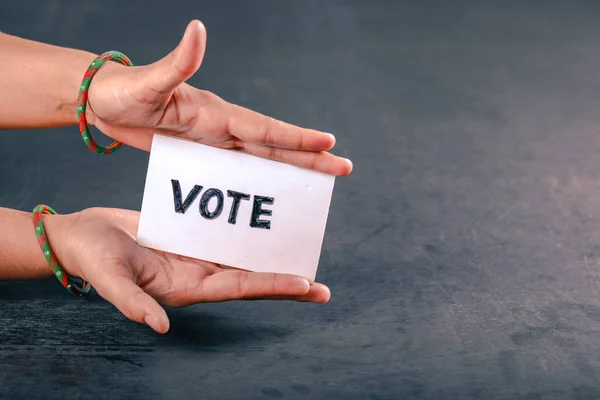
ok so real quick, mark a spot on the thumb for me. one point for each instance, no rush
(179, 65)
(133, 302)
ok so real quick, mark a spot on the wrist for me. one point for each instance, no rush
(104, 74)
(57, 228)
(77, 73)
(71, 82)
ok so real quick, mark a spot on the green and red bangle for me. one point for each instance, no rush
(57, 270)
(83, 99)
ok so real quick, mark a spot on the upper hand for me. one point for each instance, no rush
(129, 104)
(99, 246)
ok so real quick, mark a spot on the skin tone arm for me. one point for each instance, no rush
(43, 81)
(129, 104)
(20, 255)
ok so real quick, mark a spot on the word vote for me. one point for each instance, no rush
(181, 206)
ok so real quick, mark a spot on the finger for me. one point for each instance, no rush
(239, 285)
(319, 161)
(251, 126)
(133, 302)
(179, 65)
(318, 293)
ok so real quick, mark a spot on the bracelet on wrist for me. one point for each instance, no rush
(82, 100)
(57, 270)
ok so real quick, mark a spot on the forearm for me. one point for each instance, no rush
(39, 83)
(20, 254)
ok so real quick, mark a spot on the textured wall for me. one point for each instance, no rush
(463, 254)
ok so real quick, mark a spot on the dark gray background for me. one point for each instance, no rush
(463, 253)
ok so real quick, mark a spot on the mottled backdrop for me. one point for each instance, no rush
(463, 253)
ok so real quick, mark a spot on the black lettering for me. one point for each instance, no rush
(209, 194)
(182, 208)
(235, 206)
(257, 211)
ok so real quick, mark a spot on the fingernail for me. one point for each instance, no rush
(350, 164)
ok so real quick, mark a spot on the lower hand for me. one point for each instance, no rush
(99, 246)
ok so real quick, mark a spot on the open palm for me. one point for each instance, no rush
(100, 247)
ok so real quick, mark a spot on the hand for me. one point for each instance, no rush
(129, 104)
(99, 246)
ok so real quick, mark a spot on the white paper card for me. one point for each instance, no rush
(234, 209)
